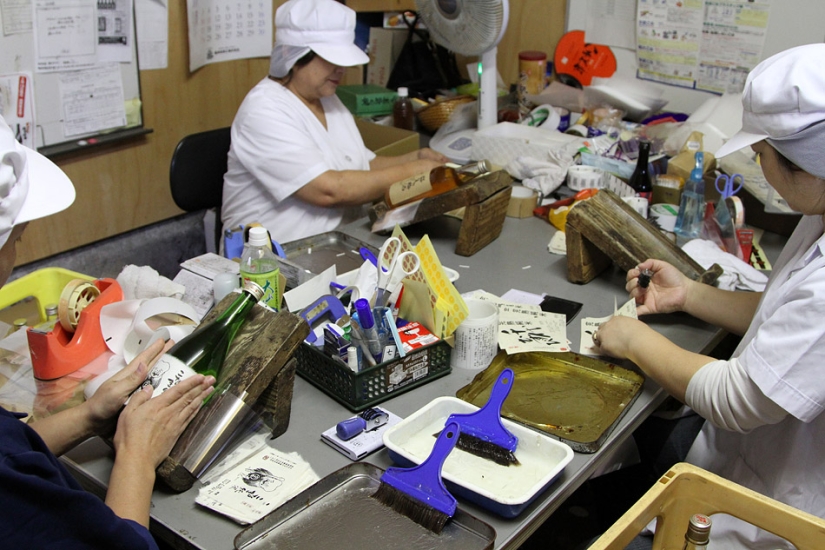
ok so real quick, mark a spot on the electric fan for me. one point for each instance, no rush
(470, 27)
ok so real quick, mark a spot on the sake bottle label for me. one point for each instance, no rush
(167, 372)
(407, 189)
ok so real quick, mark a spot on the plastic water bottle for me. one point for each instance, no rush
(692, 207)
(260, 265)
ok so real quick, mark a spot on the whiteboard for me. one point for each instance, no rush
(791, 23)
(17, 55)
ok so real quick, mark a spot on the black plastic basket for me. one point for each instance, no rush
(358, 391)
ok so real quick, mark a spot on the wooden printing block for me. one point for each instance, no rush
(483, 219)
(482, 223)
(604, 228)
(260, 364)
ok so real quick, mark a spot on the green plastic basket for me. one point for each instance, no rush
(359, 391)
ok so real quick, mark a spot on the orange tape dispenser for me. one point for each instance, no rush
(76, 339)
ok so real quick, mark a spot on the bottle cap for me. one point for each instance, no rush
(258, 236)
(362, 306)
(403, 91)
(254, 289)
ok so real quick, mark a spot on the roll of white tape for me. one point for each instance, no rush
(665, 215)
(476, 338)
(522, 202)
(543, 116)
(584, 177)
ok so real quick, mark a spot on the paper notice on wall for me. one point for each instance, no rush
(17, 106)
(114, 31)
(152, 22)
(611, 22)
(65, 35)
(703, 44)
(16, 16)
(92, 100)
(224, 30)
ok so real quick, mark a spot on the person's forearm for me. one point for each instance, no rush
(130, 490)
(357, 187)
(730, 310)
(669, 365)
(63, 430)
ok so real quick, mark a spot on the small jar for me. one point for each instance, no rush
(532, 67)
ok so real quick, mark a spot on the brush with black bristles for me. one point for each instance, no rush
(482, 432)
(419, 493)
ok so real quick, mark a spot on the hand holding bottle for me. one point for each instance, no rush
(666, 291)
(148, 428)
(108, 400)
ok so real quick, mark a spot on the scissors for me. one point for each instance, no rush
(393, 265)
(729, 186)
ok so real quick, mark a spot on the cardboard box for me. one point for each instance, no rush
(387, 140)
(367, 99)
(385, 47)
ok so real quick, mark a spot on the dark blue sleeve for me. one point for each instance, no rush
(42, 506)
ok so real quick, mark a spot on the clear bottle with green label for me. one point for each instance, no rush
(260, 265)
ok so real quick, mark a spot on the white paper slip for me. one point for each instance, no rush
(210, 264)
(592, 324)
(362, 444)
(261, 482)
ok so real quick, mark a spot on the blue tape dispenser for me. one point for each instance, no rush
(325, 306)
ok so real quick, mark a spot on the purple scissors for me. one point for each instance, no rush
(730, 184)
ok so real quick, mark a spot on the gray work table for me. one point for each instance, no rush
(517, 259)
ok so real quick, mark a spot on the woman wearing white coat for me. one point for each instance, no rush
(765, 428)
(297, 163)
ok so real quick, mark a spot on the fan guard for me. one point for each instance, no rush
(467, 27)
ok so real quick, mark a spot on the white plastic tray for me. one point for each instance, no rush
(505, 490)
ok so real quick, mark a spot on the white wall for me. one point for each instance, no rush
(791, 23)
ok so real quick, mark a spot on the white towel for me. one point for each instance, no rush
(139, 283)
(737, 275)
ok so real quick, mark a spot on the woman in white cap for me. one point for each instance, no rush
(42, 504)
(297, 163)
(765, 428)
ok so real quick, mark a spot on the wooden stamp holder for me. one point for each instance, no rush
(484, 199)
(604, 228)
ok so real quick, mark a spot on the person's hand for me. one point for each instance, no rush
(666, 290)
(147, 429)
(108, 400)
(615, 336)
(426, 153)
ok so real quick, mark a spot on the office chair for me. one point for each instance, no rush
(196, 176)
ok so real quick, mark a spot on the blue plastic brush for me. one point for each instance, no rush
(482, 432)
(419, 492)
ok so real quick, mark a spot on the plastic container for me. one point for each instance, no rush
(403, 115)
(369, 387)
(504, 490)
(44, 286)
(686, 490)
(260, 265)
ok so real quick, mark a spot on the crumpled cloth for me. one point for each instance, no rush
(143, 282)
(542, 175)
(738, 275)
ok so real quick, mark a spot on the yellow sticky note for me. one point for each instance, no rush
(415, 305)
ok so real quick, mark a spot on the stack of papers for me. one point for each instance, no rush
(254, 480)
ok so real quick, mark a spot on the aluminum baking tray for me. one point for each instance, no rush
(338, 511)
(504, 490)
(576, 398)
(307, 257)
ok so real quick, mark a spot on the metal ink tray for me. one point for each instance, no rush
(573, 397)
(339, 510)
(307, 257)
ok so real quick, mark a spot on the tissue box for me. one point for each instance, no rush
(367, 99)
(505, 141)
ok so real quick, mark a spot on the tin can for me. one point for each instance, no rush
(532, 67)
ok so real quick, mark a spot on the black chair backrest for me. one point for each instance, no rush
(197, 169)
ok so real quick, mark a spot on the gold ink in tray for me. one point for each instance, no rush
(573, 397)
